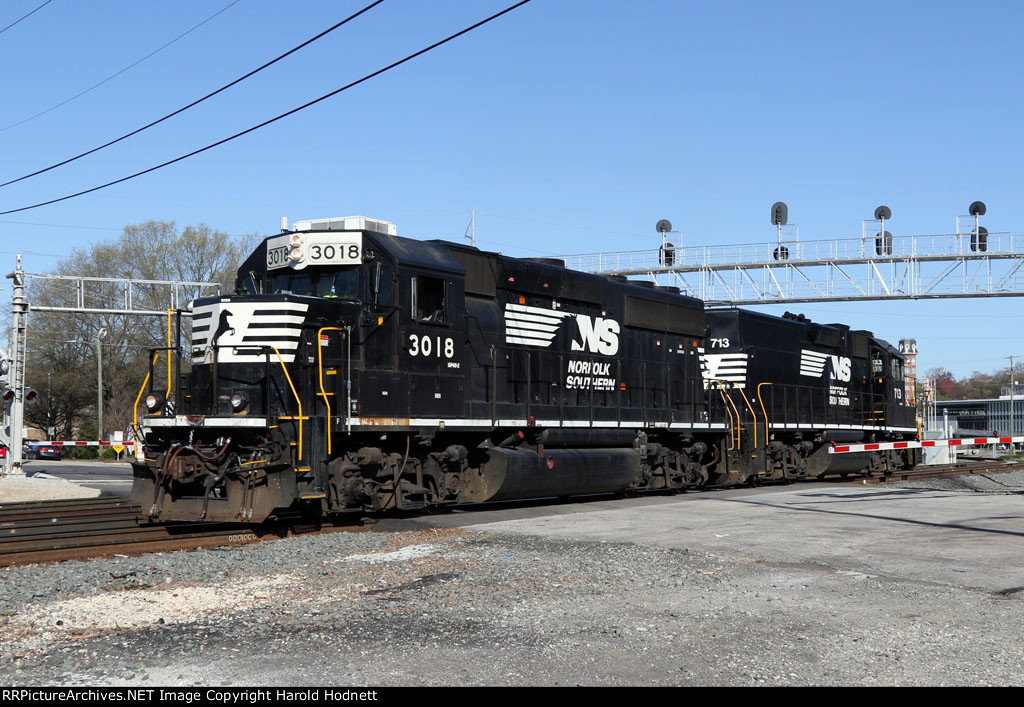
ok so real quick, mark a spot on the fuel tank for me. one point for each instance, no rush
(501, 474)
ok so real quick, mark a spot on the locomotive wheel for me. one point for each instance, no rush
(432, 507)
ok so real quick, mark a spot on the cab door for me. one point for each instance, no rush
(878, 387)
(430, 348)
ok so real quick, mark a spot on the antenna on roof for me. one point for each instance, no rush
(470, 234)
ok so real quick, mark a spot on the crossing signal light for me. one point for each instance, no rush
(31, 396)
(7, 395)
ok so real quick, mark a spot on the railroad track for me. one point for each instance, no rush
(52, 531)
(937, 471)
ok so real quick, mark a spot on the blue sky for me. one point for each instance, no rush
(574, 125)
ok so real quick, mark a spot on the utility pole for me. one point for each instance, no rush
(1013, 426)
(99, 383)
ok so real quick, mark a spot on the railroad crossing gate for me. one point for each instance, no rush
(881, 446)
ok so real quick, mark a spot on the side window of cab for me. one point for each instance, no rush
(877, 363)
(429, 301)
(382, 282)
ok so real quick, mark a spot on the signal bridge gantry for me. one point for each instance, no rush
(865, 268)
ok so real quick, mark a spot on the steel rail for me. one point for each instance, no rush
(52, 531)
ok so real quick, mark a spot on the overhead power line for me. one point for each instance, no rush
(62, 225)
(115, 75)
(25, 17)
(265, 123)
(198, 101)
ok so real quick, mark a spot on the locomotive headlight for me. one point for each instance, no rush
(154, 401)
(239, 401)
(295, 245)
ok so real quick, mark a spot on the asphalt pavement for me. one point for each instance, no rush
(111, 478)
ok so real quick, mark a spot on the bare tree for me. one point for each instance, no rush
(62, 362)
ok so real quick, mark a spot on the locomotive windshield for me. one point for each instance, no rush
(324, 283)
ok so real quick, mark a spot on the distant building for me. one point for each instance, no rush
(977, 417)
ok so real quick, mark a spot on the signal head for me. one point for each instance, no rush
(780, 213)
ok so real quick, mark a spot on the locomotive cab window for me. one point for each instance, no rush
(301, 284)
(897, 369)
(382, 277)
(877, 363)
(250, 285)
(341, 284)
(428, 299)
(331, 284)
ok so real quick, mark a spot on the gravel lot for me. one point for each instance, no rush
(483, 607)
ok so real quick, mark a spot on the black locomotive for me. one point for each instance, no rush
(356, 370)
(791, 387)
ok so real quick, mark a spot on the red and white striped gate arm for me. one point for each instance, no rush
(76, 443)
(965, 442)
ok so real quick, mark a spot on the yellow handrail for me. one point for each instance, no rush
(721, 390)
(167, 395)
(763, 411)
(320, 370)
(754, 416)
(292, 386)
(739, 423)
(135, 410)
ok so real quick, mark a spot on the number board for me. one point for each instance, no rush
(315, 249)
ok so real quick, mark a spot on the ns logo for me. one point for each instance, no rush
(598, 335)
(840, 368)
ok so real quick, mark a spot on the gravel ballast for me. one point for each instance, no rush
(483, 606)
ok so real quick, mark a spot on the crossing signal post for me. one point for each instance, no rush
(16, 377)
